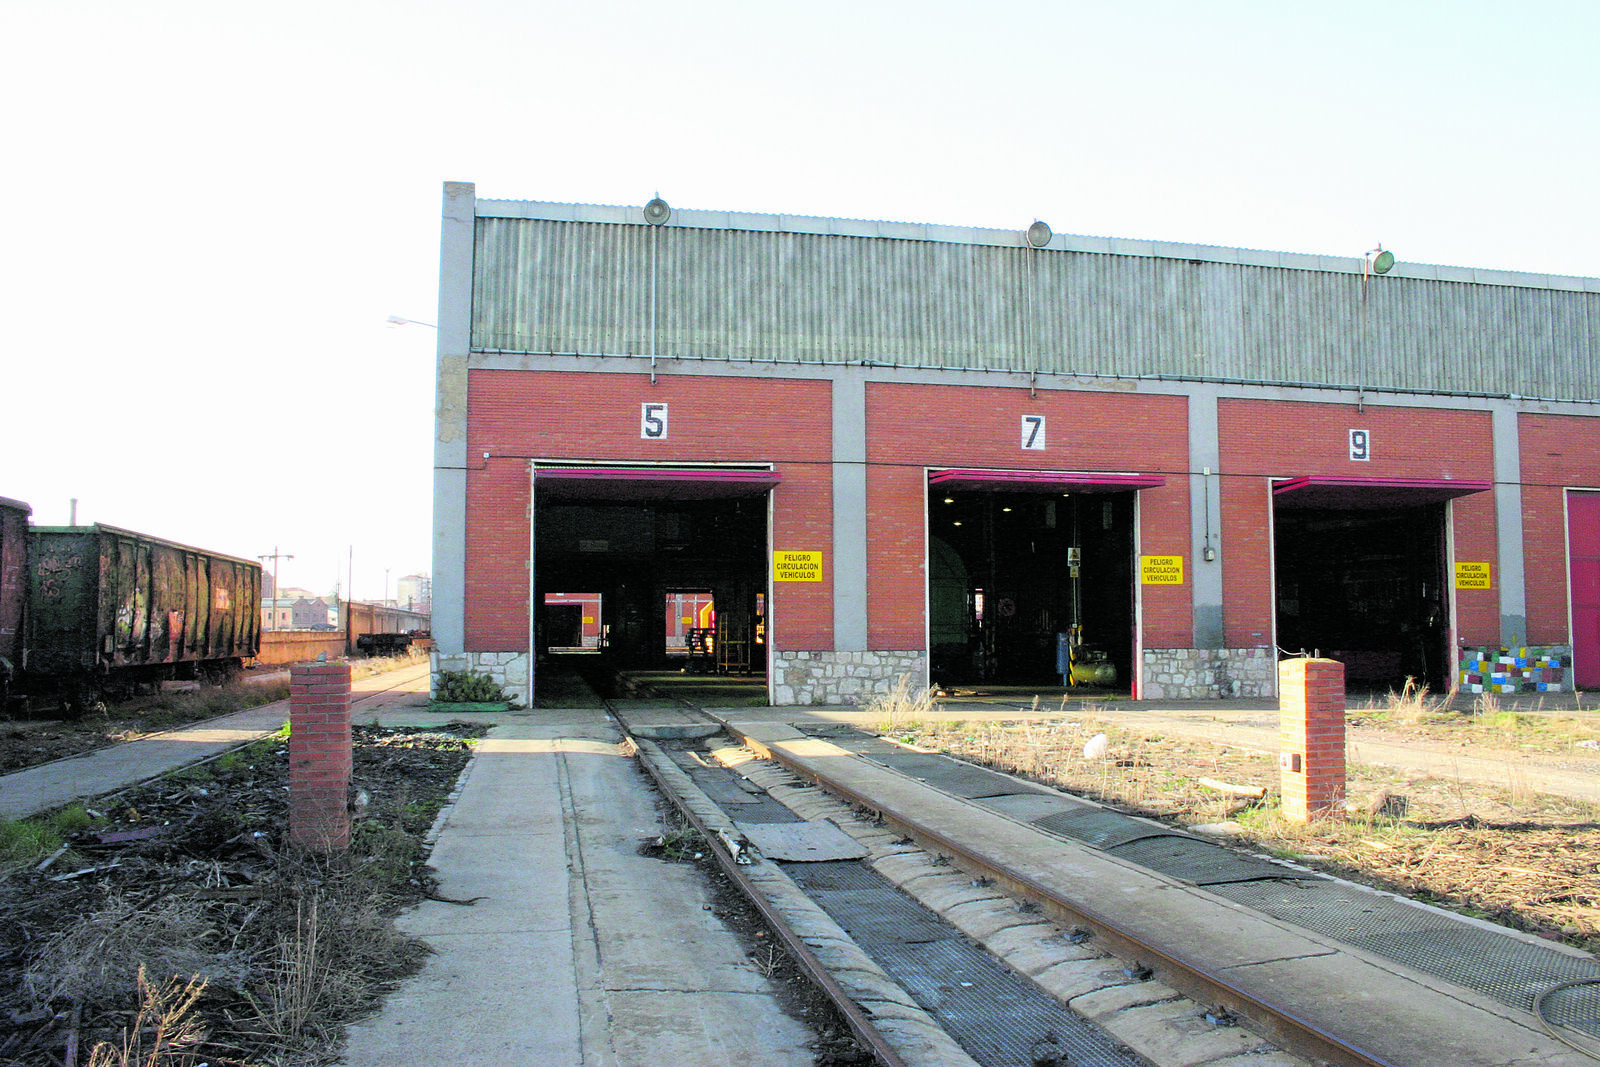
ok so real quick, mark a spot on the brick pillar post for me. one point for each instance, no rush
(319, 756)
(1311, 737)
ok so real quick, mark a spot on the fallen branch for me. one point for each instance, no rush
(452, 900)
(1254, 792)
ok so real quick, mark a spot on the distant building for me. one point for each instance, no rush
(277, 613)
(315, 613)
(414, 592)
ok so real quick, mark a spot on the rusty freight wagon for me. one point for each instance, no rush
(13, 586)
(109, 609)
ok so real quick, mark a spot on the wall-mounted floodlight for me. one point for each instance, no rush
(1039, 234)
(1376, 261)
(657, 211)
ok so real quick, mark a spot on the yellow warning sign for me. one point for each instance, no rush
(797, 566)
(1161, 570)
(1472, 575)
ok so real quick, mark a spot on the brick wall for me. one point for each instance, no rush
(913, 427)
(897, 577)
(1261, 440)
(595, 417)
(1245, 555)
(1477, 611)
(1557, 452)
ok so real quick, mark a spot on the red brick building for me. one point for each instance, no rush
(962, 455)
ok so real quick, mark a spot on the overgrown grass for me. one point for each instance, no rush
(29, 842)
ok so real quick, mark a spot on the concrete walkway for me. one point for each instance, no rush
(580, 951)
(106, 770)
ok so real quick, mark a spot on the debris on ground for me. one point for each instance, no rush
(178, 907)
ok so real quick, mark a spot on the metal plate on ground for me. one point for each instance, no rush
(956, 778)
(721, 788)
(828, 729)
(998, 1017)
(802, 842)
(1098, 827)
(1200, 862)
(1512, 971)
(1030, 807)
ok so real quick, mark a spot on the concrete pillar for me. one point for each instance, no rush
(850, 510)
(1311, 737)
(1508, 528)
(1205, 510)
(450, 463)
(319, 756)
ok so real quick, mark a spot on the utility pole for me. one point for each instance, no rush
(276, 555)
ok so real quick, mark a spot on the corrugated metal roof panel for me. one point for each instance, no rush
(549, 286)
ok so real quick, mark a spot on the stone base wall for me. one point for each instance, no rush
(1209, 673)
(842, 677)
(508, 669)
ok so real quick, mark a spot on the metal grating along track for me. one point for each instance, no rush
(1496, 964)
(1000, 1018)
(1505, 968)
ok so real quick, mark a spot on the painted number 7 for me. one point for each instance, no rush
(1033, 432)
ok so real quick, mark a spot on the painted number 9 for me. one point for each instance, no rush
(653, 421)
(1360, 445)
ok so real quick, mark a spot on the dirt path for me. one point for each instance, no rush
(1442, 750)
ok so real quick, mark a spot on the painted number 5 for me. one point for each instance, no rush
(653, 421)
(1033, 432)
(1360, 445)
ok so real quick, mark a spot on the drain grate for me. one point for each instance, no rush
(1577, 1006)
(999, 1017)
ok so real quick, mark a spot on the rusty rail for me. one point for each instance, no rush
(1270, 1020)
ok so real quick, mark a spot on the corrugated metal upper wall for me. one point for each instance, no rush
(557, 287)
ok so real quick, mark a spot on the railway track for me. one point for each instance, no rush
(1159, 942)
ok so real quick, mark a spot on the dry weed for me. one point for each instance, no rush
(164, 1032)
(1411, 704)
(317, 975)
(902, 707)
(103, 957)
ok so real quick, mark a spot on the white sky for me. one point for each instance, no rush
(211, 210)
